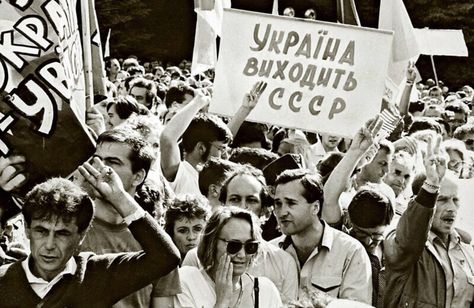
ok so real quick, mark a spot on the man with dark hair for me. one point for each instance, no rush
(256, 157)
(144, 91)
(203, 136)
(180, 96)
(330, 262)
(57, 216)
(370, 210)
(210, 180)
(131, 157)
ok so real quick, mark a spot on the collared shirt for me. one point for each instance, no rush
(457, 269)
(41, 286)
(339, 266)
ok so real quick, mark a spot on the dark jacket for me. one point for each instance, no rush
(415, 277)
(99, 281)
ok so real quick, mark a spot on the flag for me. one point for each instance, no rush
(347, 12)
(98, 66)
(208, 27)
(394, 16)
(107, 45)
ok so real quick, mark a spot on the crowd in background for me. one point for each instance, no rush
(258, 213)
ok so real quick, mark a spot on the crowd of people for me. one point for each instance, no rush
(181, 208)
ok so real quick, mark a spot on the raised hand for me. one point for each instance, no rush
(251, 99)
(223, 281)
(105, 181)
(435, 162)
(411, 72)
(364, 138)
(12, 172)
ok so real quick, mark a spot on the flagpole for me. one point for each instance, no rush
(86, 47)
(434, 70)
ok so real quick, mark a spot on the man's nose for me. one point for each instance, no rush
(50, 242)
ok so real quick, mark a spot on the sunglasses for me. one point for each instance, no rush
(234, 247)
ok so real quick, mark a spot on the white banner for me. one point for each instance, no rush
(321, 76)
(441, 42)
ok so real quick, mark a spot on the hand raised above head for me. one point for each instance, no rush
(435, 162)
(364, 138)
(251, 99)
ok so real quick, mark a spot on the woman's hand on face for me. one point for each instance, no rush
(223, 280)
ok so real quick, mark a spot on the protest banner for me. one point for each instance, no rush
(321, 76)
(42, 87)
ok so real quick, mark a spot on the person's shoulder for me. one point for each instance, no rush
(10, 268)
(188, 271)
(343, 239)
(276, 241)
(274, 250)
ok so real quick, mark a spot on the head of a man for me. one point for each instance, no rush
(112, 66)
(457, 153)
(178, 96)
(57, 215)
(256, 157)
(374, 171)
(370, 212)
(299, 199)
(211, 177)
(144, 91)
(330, 142)
(447, 205)
(126, 152)
(461, 114)
(206, 136)
(246, 188)
(401, 172)
(465, 133)
(120, 109)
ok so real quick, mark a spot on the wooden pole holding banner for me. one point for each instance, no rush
(86, 47)
(434, 70)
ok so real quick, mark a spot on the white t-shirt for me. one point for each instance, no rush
(186, 180)
(199, 291)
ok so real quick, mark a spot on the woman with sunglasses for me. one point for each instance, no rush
(228, 246)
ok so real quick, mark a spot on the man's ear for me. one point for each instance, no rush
(214, 191)
(316, 207)
(201, 148)
(139, 177)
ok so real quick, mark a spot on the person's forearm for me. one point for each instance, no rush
(405, 100)
(336, 185)
(237, 120)
(180, 122)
